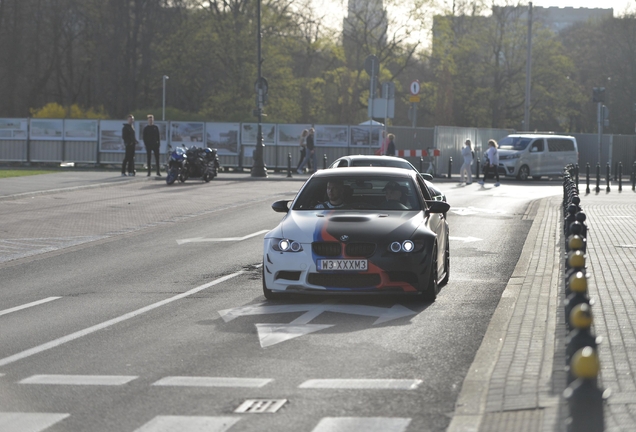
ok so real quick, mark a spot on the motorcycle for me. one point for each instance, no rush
(193, 162)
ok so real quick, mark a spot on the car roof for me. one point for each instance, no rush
(372, 157)
(365, 172)
(538, 135)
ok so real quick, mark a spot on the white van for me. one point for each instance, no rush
(536, 155)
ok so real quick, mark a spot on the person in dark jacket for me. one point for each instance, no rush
(152, 140)
(130, 141)
(390, 148)
(311, 154)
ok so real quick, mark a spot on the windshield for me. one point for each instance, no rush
(359, 192)
(514, 143)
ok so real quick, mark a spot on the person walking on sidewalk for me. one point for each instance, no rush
(311, 154)
(152, 140)
(466, 171)
(130, 141)
(303, 148)
(390, 148)
(493, 162)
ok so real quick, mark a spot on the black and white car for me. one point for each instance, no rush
(361, 246)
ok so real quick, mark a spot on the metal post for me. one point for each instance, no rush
(163, 110)
(587, 177)
(620, 176)
(634, 176)
(324, 162)
(477, 169)
(421, 163)
(526, 116)
(258, 166)
(289, 165)
(450, 166)
(608, 177)
(598, 177)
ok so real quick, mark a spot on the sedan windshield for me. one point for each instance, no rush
(362, 193)
(514, 143)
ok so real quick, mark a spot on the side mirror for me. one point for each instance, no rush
(281, 206)
(438, 206)
(427, 176)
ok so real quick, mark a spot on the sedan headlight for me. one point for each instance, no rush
(406, 246)
(286, 245)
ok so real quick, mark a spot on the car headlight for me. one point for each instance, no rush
(406, 246)
(286, 245)
(512, 156)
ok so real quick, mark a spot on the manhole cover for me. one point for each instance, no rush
(260, 406)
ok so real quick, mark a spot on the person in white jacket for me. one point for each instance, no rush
(466, 171)
(493, 161)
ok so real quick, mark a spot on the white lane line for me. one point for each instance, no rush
(60, 341)
(185, 381)
(28, 305)
(104, 380)
(376, 384)
(224, 239)
(367, 424)
(189, 424)
(28, 422)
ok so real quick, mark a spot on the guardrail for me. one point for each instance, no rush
(584, 397)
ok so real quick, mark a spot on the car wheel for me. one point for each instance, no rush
(444, 281)
(268, 293)
(524, 173)
(429, 293)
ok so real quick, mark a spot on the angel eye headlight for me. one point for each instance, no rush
(287, 245)
(408, 246)
(396, 247)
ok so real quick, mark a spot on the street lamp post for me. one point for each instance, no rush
(163, 110)
(258, 166)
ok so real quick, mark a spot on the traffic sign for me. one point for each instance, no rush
(415, 88)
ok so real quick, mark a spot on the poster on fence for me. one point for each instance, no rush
(163, 134)
(11, 128)
(224, 137)
(365, 136)
(80, 130)
(110, 137)
(250, 130)
(188, 134)
(289, 134)
(331, 135)
(46, 129)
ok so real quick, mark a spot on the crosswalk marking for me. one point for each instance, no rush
(28, 305)
(377, 384)
(105, 380)
(28, 422)
(367, 424)
(189, 424)
(212, 382)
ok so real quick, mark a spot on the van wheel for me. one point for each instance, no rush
(524, 173)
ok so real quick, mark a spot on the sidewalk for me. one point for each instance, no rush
(517, 377)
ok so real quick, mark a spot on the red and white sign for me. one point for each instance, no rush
(416, 153)
(415, 88)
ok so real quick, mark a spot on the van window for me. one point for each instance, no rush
(537, 146)
(560, 145)
(514, 143)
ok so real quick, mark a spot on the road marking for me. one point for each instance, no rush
(11, 249)
(189, 424)
(104, 380)
(225, 239)
(272, 334)
(184, 381)
(467, 211)
(465, 239)
(60, 341)
(28, 422)
(28, 305)
(367, 424)
(357, 384)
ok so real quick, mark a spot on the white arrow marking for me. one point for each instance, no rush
(225, 239)
(465, 239)
(271, 334)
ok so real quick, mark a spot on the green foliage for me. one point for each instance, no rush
(54, 110)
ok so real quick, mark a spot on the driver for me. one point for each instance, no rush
(393, 193)
(335, 193)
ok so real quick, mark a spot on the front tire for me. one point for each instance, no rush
(524, 173)
(429, 293)
(444, 281)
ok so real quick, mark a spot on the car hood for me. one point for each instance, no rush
(506, 152)
(329, 225)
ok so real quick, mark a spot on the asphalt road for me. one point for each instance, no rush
(139, 307)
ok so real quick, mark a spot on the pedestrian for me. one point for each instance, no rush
(303, 147)
(384, 145)
(390, 148)
(466, 171)
(493, 162)
(130, 141)
(311, 154)
(152, 140)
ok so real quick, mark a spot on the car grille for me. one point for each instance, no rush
(332, 249)
(360, 249)
(341, 280)
(328, 249)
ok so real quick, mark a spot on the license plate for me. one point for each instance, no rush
(342, 265)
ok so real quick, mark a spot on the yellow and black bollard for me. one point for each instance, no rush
(581, 335)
